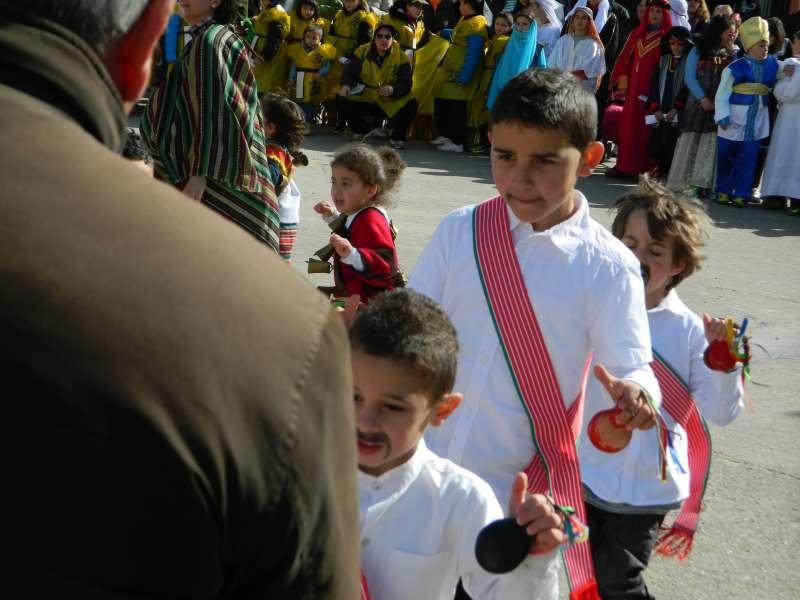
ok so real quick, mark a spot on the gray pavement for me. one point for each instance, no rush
(747, 545)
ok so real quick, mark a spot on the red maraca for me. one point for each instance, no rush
(718, 357)
(606, 433)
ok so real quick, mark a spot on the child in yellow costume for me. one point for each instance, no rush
(406, 17)
(459, 76)
(270, 29)
(310, 62)
(478, 113)
(305, 13)
(351, 27)
(430, 52)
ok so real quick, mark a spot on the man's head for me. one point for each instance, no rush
(404, 356)
(123, 34)
(542, 132)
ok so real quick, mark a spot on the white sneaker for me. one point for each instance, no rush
(377, 133)
(451, 147)
(441, 140)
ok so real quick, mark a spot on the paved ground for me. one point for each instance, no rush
(748, 543)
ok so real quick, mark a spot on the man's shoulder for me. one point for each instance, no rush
(457, 483)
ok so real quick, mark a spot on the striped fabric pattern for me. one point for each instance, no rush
(205, 120)
(287, 240)
(676, 540)
(555, 469)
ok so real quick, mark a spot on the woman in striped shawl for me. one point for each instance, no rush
(205, 128)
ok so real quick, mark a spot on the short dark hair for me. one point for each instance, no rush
(549, 99)
(405, 326)
(669, 216)
(99, 23)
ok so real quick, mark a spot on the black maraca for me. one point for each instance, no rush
(502, 545)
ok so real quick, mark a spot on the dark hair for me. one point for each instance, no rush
(669, 216)
(776, 30)
(302, 3)
(477, 5)
(713, 32)
(99, 23)
(679, 33)
(290, 125)
(407, 327)
(549, 99)
(382, 167)
(134, 147)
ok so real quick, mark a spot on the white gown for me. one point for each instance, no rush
(575, 54)
(782, 169)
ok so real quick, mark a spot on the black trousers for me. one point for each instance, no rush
(621, 548)
(451, 119)
(356, 113)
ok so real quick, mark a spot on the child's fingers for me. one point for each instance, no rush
(645, 418)
(519, 491)
(609, 382)
(548, 540)
(533, 509)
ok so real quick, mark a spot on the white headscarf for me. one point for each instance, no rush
(679, 9)
(551, 12)
(599, 19)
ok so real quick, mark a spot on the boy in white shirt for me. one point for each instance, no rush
(420, 515)
(626, 493)
(522, 377)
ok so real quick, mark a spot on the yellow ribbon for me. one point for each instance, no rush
(751, 89)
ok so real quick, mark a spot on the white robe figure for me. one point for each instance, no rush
(782, 169)
(583, 53)
(679, 10)
(549, 33)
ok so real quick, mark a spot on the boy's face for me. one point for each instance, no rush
(759, 50)
(657, 255)
(312, 38)
(535, 171)
(501, 26)
(392, 409)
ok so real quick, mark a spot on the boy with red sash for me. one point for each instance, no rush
(626, 495)
(534, 287)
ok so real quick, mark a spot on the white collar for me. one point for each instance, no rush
(352, 216)
(399, 478)
(578, 220)
(671, 302)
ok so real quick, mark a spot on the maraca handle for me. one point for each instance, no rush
(502, 545)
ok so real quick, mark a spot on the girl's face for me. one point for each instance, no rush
(312, 38)
(658, 256)
(522, 24)
(729, 36)
(195, 11)
(465, 8)
(693, 6)
(501, 26)
(349, 192)
(580, 21)
(351, 5)
(306, 11)
(676, 46)
(655, 15)
(414, 11)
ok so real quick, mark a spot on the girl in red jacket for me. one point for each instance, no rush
(364, 253)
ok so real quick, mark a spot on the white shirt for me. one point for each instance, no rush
(419, 523)
(631, 476)
(737, 128)
(587, 292)
(571, 53)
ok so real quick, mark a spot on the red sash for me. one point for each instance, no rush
(554, 469)
(364, 589)
(676, 400)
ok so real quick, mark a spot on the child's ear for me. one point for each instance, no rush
(677, 267)
(372, 190)
(445, 407)
(590, 158)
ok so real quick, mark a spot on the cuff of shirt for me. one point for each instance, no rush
(644, 377)
(355, 260)
(331, 217)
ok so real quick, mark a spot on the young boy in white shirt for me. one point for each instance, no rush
(629, 492)
(523, 377)
(420, 514)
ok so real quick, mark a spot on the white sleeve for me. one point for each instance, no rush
(535, 579)
(430, 273)
(722, 101)
(355, 260)
(557, 58)
(719, 396)
(595, 64)
(619, 331)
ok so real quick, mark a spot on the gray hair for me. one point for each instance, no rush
(100, 23)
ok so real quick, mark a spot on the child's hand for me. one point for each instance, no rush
(670, 117)
(342, 245)
(658, 115)
(325, 208)
(637, 412)
(537, 514)
(707, 104)
(716, 329)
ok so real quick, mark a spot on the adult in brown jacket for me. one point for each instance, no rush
(177, 411)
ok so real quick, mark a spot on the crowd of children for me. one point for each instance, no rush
(528, 321)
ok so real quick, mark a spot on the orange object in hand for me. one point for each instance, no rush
(606, 433)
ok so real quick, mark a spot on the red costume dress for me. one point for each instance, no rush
(632, 74)
(370, 233)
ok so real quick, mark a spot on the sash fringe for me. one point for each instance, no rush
(675, 542)
(588, 591)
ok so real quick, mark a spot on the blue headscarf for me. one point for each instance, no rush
(517, 57)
